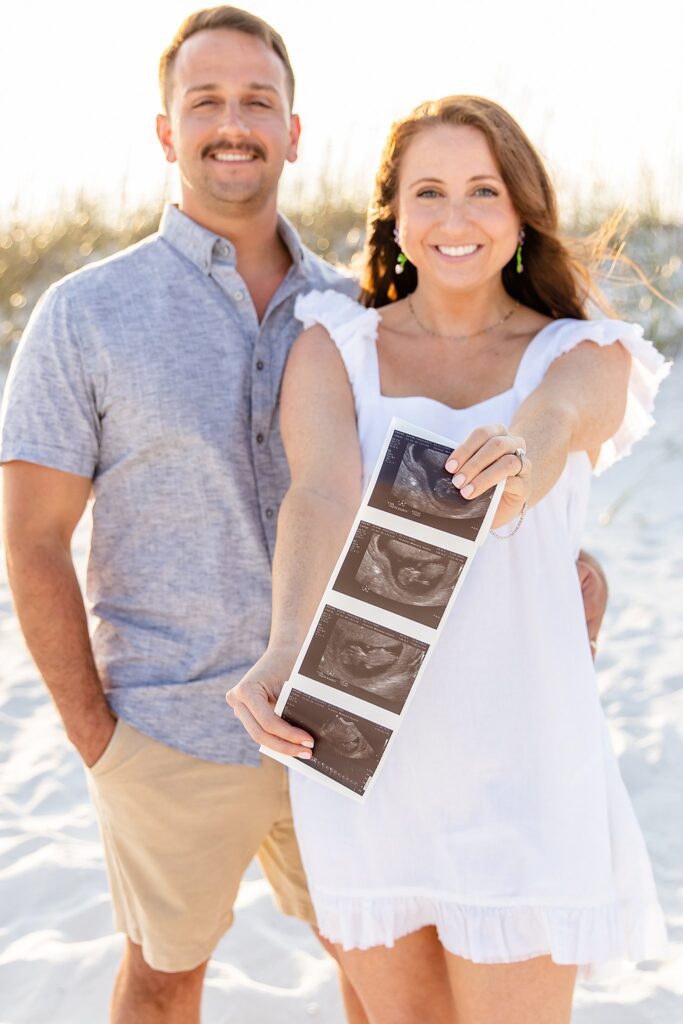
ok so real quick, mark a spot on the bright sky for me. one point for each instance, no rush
(597, 84)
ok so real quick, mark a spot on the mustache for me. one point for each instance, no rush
(227, 146)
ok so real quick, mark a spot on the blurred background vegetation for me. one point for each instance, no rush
(35, 254)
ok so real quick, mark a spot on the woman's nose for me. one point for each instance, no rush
(456, 216)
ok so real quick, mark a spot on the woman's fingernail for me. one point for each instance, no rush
(304, 755)
(466, 491)
(459, 480)
(307, 743)
(451, 465)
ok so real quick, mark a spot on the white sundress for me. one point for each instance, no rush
(500, 816)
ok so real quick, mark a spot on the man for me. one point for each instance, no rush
(152, 378)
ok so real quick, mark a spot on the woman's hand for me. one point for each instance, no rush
(485, 458)
(255, 697)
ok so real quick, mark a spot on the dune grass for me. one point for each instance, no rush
(34, 255)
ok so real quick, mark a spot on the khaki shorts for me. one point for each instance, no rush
(178, 835)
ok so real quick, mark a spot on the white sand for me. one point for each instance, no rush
(58, 953)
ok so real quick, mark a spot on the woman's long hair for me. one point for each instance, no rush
(556, 280)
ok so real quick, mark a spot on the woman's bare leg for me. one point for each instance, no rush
(407, 984)
(535, 991)
(353, 1007)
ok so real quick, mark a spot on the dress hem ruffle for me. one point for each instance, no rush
(594, 938)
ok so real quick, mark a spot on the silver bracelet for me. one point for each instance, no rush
(507, 536)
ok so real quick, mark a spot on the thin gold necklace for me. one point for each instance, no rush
(458, 337)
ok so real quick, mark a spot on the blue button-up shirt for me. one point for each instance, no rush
(150, 374)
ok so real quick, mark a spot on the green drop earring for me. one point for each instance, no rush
(401, 259)
(520, 265)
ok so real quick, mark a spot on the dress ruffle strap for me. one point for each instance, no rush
(648, 370)
(353, 329)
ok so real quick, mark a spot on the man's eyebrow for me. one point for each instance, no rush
(213, 87)
(263, 87)
(209, 87)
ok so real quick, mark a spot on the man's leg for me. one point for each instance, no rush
(178, 835)
(145, 996)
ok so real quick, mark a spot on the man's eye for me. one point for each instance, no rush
(204, 103)
(259, 103)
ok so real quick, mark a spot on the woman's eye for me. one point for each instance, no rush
(428, 193)
(485, 191)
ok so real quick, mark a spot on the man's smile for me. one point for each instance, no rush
(224, 157)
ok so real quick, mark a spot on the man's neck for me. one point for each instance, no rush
(262, 257)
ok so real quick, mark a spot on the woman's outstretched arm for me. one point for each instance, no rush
(318, 426)
(578, 405)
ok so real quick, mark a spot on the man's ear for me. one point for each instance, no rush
(294, 134)
(165, 137)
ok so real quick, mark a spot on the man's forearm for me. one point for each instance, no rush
(50, 608)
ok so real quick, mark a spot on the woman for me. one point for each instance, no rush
(498, 851)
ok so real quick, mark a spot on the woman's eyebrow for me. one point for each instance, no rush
(432, 181)
(475, 177)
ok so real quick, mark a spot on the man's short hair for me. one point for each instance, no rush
(215, 18)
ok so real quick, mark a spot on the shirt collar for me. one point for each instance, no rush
(201, 246)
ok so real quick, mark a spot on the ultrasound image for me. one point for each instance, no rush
(413, 483)
(402, 575)
(368, 661)
(347, 748)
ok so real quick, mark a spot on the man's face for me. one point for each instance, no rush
(228, 124)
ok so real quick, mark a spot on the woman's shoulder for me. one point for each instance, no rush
(558, 337)
(648, 369)
(603, 331)
(340, 315)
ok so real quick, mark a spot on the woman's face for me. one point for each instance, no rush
(456, 220)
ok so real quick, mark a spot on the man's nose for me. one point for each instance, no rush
(233, 121)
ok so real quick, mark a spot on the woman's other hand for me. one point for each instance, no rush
(253, 701)
(486, 457)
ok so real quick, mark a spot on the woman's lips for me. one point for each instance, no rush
(457, 253)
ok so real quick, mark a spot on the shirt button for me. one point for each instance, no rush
(260, 364)
(238, 296)
(260, 438)
(269, 513)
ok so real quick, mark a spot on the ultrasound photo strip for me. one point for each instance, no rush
(400, 574)
(348, 748)
(395, 582)
(352, 655)
(413, 484)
